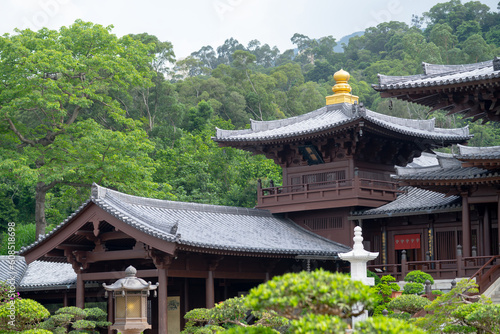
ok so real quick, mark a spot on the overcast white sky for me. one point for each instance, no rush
(191, 24)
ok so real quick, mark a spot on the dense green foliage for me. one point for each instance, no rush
(408, 303)
(384, 290)
(294, 295)
(23, 314)
(460, 311)
(305, 302)
(75, 320)
(80, 105)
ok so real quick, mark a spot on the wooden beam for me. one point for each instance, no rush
(113, 275)
(91, 257)
(115, 235)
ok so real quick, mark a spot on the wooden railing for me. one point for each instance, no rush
(488, 273)
(485, 269)
(328, 190)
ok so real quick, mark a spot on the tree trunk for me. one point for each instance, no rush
(40, 193)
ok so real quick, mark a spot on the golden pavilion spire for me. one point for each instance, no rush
(341, 90)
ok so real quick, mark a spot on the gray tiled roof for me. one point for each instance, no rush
(438, 75)
(414, 200)
(42, 274)
(210, 226)
(37, 274)
(12, 268)
(454, 173)
(448, 168)
(470, 152)
(333, 116)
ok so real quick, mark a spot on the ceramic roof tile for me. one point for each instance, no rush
(437, 75)
(217, 227)
(470, 152)
(37, 274)
(333, 116)
(48, 274)
(414, 200)
(12, 268)
(209, 226)
(454, 173)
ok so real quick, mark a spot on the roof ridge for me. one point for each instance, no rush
(168, 204)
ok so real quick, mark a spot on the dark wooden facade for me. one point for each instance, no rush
(100, 242)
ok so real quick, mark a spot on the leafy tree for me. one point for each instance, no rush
(53, 82)
(476, 48)
(440, 313)
(199, 117)
(482, 318)
(295, 295)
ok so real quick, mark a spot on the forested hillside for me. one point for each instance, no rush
(80, 105)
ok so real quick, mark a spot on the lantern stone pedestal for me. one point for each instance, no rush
(130, 294)
(358, 258)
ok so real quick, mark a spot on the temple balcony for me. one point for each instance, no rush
(358, 191)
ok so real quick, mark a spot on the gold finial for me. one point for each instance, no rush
(341, 90)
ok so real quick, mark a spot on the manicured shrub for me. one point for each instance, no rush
(408, 303)
(317, 324)
(413, 289)
(26, 312)
(383, 325)
(418, 276)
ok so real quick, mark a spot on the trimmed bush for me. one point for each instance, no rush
(383, 325)
(26, 312)
(418, 276)
(413, 289)
(408, 303)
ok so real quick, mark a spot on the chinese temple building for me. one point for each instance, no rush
(471, 89)
(337, 159)
(199, 254)
(343, 165)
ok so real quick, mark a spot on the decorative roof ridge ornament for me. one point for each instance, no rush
(496, 64)
(358, 110)
(341, 90)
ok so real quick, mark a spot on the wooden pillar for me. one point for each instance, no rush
(80, 291)
(65, 300)
(498, 223)
(186, 295)
(466, 246)
(210, 293)
(111, 311)
(486, 232)
(162, 301)
(460, 263)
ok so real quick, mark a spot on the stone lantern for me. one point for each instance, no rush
(130, 300)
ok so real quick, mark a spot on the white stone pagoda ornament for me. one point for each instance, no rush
(358, 258)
